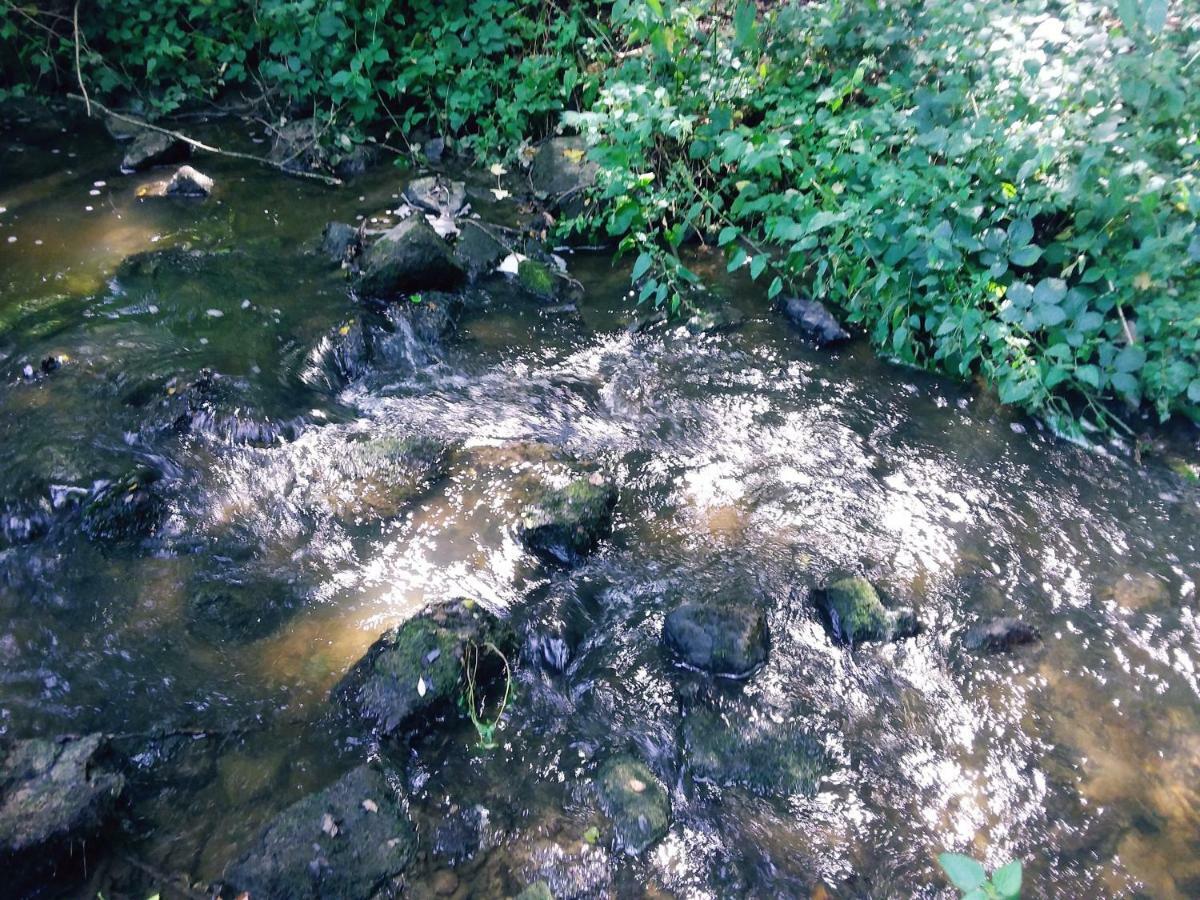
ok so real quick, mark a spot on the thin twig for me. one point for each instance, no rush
(207, 148)
(78, 71)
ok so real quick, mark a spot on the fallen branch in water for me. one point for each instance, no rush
(199, 145)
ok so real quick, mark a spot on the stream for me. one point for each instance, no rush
(748, 462)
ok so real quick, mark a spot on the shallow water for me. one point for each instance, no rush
(747, 462)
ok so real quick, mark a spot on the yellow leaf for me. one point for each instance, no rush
(344, 330)
(575, 156)
(1142, 281)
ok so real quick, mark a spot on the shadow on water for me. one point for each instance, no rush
(748, 463)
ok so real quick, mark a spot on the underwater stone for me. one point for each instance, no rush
(296, 147)
(763, 757)
(566, 524)
(416, 668)
(129, 507)
(727, 639)
(855, 613)
(55, 794)
(153, 148)
(188, 182)
(635, 803)
(352, 839)
(378, 477)
(1000, 634)
(539, 890)
(238, 612)
(410, 257)
(811, 317)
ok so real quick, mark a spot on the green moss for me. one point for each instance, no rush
(765, 758)
(855, 611)
(566, 524)
(536, 278)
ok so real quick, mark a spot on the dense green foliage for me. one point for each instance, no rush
(1003, 190)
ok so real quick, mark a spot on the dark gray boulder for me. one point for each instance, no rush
(416, 669)
(562, 525)
(410, 257)
(477, 249)
(188, 182)
(296, 146)
(854, 613)
(811, 317)
(765, 758)
(561, 172)
(635, 802)
(55, 795)
(352, 839)
(340, 242)
(237, 611)
(153, 148)
(127, 508)
(1000, 634)
(430, 317)
(721, 638)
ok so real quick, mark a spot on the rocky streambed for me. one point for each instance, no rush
(361, 543)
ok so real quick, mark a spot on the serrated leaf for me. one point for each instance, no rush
(1131, 359)
(1007, 880)
(964, 873)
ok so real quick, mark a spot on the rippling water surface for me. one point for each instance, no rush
(748, 463)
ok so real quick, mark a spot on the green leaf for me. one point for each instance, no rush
(1007, 880)
(757, 264)
(1156, 15)
(728, 234)
(1025, 256)
(738, 259)
(964, 873)
(1020, 233)
(641, 266)
(1131, 359)
(777, 286)
(1090, 375)
(1193, 391)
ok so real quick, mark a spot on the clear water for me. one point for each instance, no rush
(747, 461)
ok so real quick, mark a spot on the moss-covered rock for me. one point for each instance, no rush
(854, 613)
(763, 757)
(55, 794)
(536, 278)
(416, 668)
(539, 890)
(127, 508)
(721, 638)
(352, 839)
(635, 803)
(410, 257)
(562, 525)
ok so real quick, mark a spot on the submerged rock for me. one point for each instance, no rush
(561, 172)
(187, 182)
(430, 316)
(153, 148)
(477, 249)
(1136, 591)
(416, 668)
(212, 404)
(539, 890)
(714, 321)
(239, 611)
(376, 478)
(855, 613)
(811, 317)
(435, 194)
(296, 146)
(563, 525)
(410, 257)
(762, 757)
(352, 839)
(340, 242)
(127, 508)
(55, 794)
(729, 639)
(635, 803)
(1000, 634)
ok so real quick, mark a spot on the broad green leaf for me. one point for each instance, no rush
(644, 261)
(739, 258)
(1156, 15)
(1193, 391)
(777, 286)
(1025, 256)
(964, 873)
(1020, 233)
(1007, 880)
(728, 234)
(757, 264)
(1131, 359)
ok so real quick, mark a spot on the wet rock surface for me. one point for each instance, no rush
(410, 257)
(562, 525)
(561, 172)
(854, 613)
(153, 148)
(188, 182)
(741, 749)
(238, 611)
(437, 194)
(416, 669)
(814, 319)
(127, 508)
(635, 802)
(55, 795)
(378, 477)
(340, 242)
(721, 638)
(352, 839)
(998, 635)
(477, 248)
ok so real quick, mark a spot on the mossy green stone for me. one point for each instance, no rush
(634, 801)
(539, 890)
(763, 757)
(536, 278)
(566, 524)
(856, 613)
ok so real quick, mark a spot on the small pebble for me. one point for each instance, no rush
(99, 183)
(87, 209)
(38, 242)
(245, 304)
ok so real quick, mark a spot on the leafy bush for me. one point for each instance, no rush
(1001, 189)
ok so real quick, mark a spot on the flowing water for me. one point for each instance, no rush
(748, 462)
